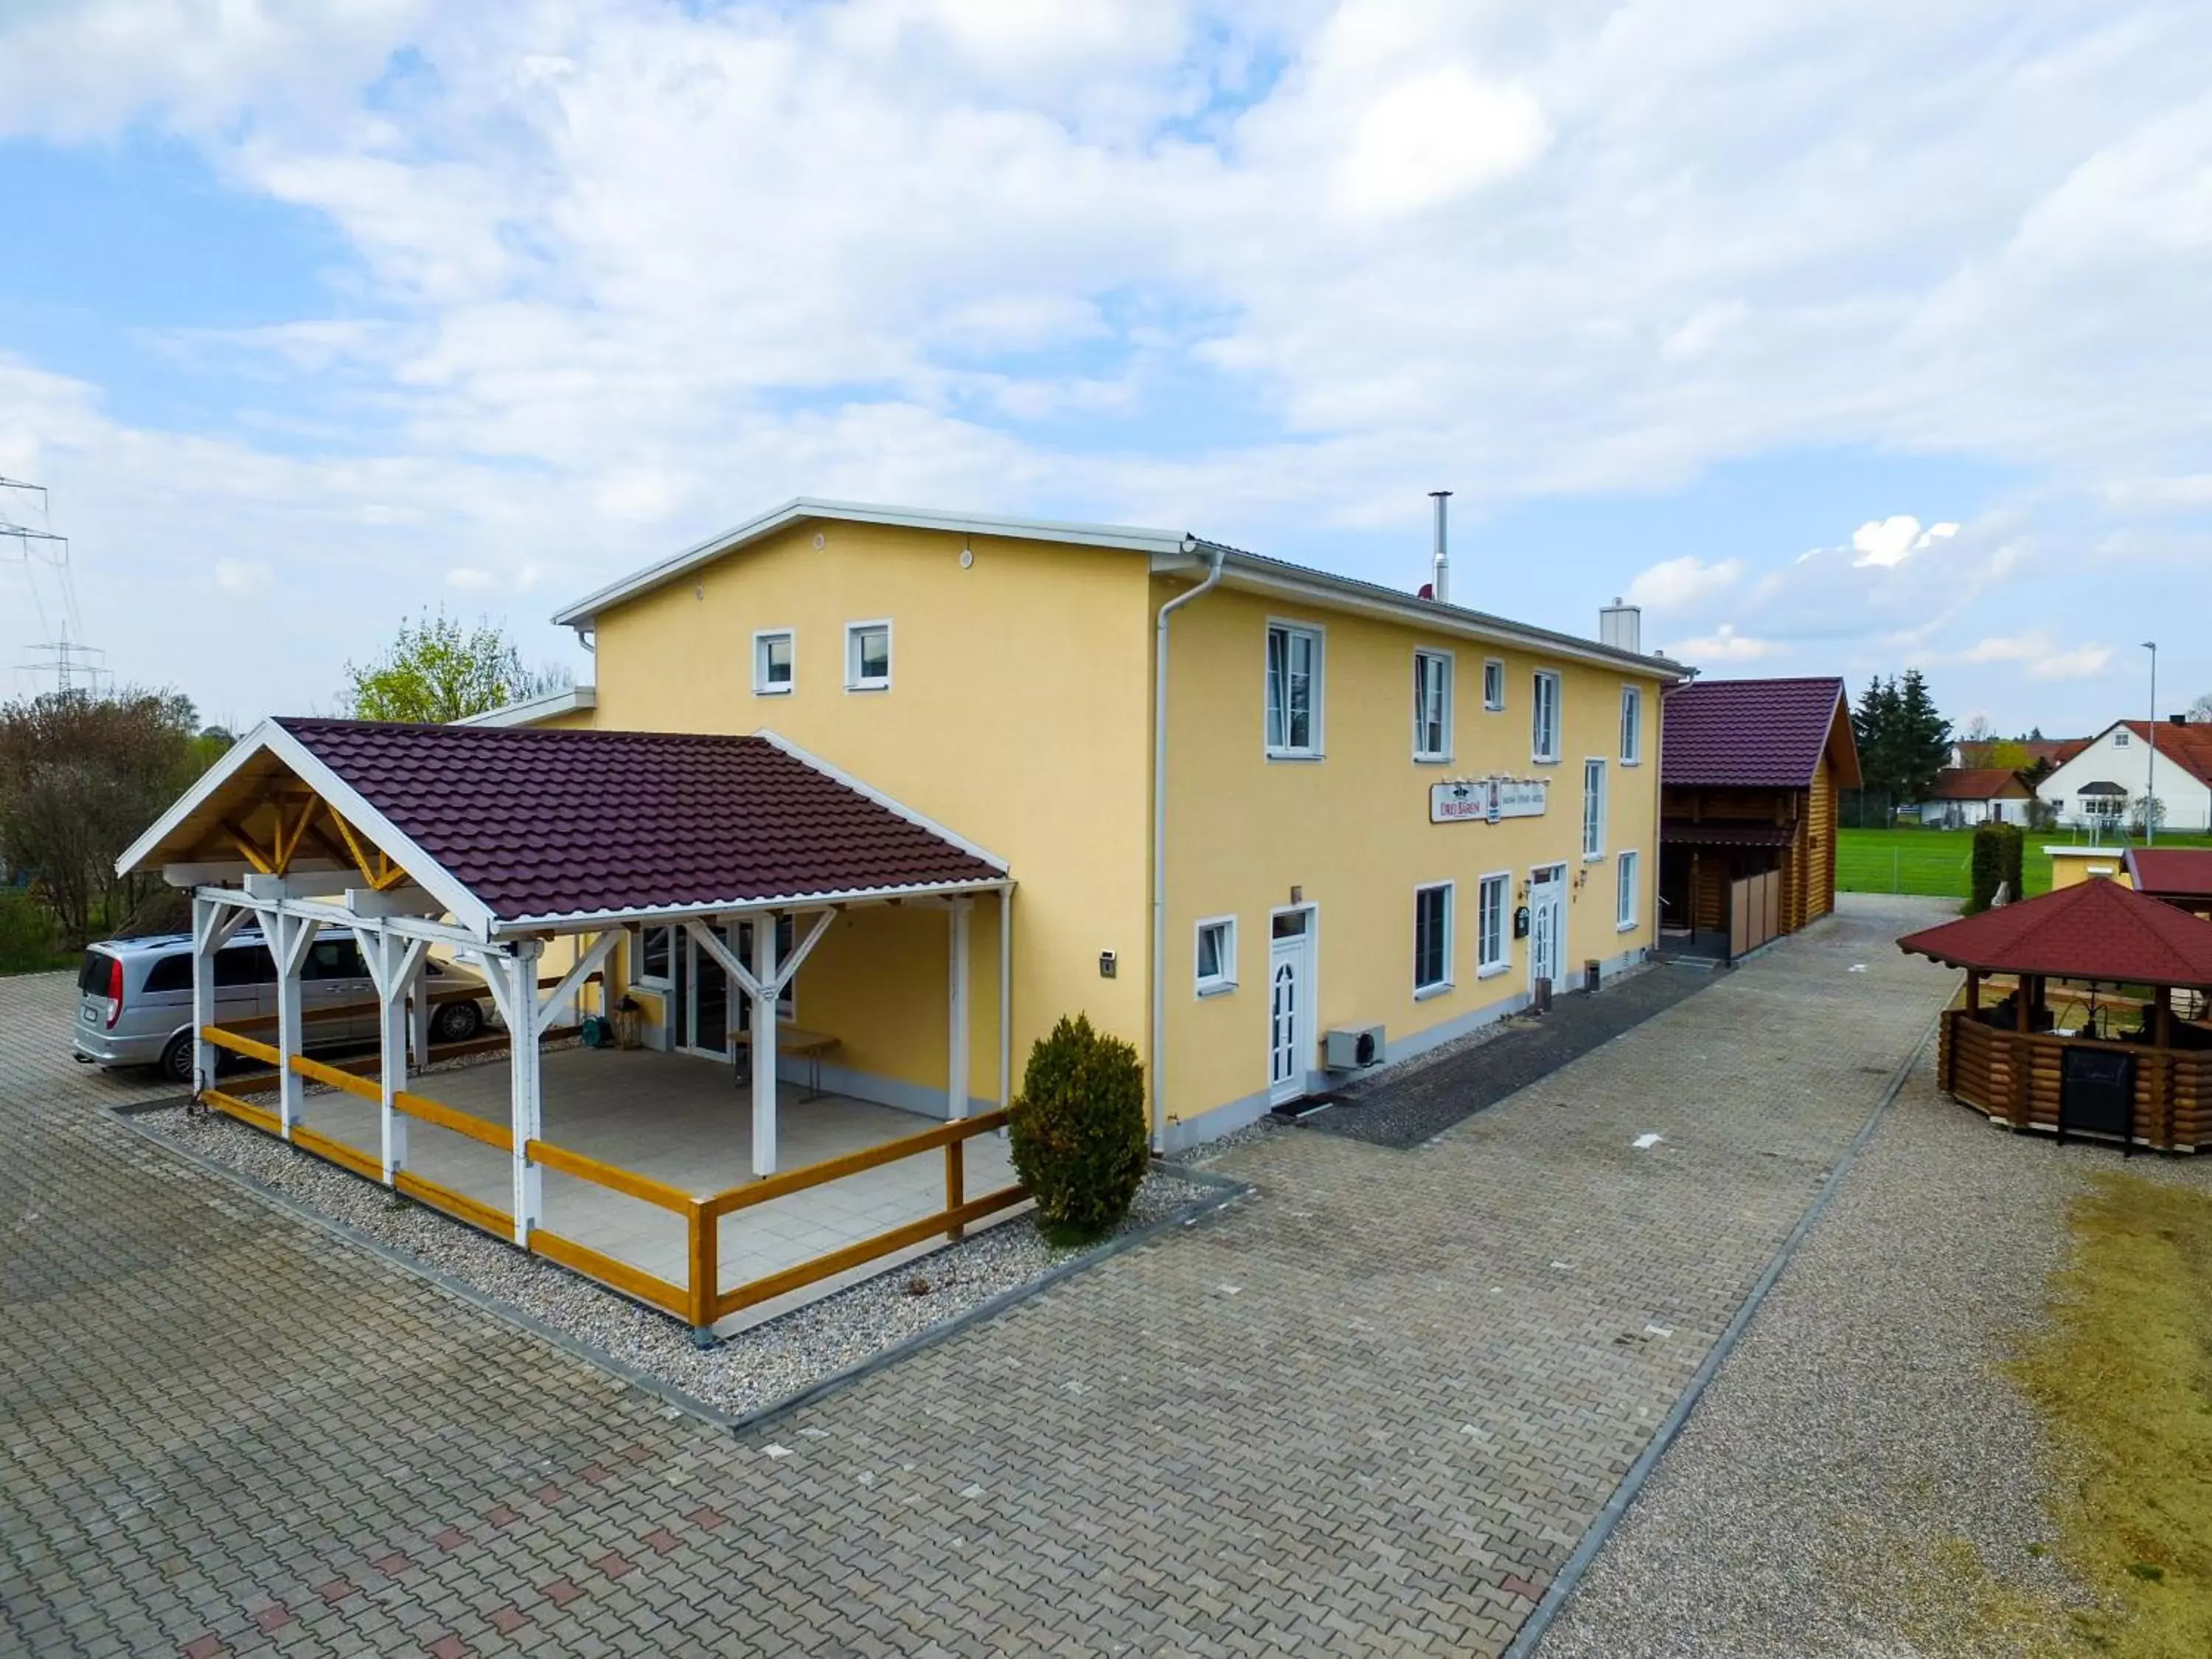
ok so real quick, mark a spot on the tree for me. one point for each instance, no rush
(2202, 708)
(1979, 731)
(437, 670)
(80, 776)
(2146, 811)
(1922, 743)
(2009, 753)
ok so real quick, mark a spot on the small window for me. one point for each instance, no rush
(656, 952)
(1624, 891)
(1490, 925)
(1432, 939)
(2120, 739)
(1293, 692)
(1433, 680)
(1493, 685)
(868, 656)
(1631, 725)
(1217, 956)
(244, 964)
(774, 662)
(172, 973)
(1593, 809)
(1544, 717)
(1288, 924)
(333, 958)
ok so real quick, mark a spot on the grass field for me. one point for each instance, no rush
(1935, 863)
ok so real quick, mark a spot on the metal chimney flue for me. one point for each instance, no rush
(1441, 589)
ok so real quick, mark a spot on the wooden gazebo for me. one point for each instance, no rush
(2097, 950)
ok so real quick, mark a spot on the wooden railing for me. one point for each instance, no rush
(700, 1301)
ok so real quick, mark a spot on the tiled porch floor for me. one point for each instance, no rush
(683, 1121)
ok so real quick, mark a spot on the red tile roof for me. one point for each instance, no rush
(2096, 930)
(2171, 872)
(1754, 734)
(1977, 783)
(2189, 746)
(539, 823)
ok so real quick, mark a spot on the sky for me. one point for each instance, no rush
(1844, 338)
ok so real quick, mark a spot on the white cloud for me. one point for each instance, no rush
(1683, 584)
(1891, 541)
(2083, 662)
(1436, 137)
(1725, 645)
(240, 575)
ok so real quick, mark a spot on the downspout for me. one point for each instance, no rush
(1216, 557)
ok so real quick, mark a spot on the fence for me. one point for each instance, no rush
(699, 1300)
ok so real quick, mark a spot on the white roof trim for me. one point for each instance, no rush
(306, 766)
(1334, 592)
(558, 920)
(800, 507)
(859, 787)
(531, 710)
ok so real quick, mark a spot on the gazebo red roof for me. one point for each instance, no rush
(2172, 871)
(2098, 930)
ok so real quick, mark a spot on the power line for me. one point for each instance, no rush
(70, 662)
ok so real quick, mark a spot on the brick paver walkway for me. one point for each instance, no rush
(1370, 1409)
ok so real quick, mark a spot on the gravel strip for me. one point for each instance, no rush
(752, 1369)
(1861, 1479)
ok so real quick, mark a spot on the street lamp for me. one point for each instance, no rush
(2150, 762)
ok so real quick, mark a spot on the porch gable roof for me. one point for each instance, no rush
(512, 826)
(2096, 930)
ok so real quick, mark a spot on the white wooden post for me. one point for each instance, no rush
(1005, 999)
(289, 937)
(527, 1102)
(764, 1036)
(207, 939)
(955, 1003)
(395, 965)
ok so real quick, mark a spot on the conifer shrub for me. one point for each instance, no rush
(1077, 1129)
(1987, 868)
(2011, 859)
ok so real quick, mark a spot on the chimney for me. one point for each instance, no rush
(2179, 720)
(1621, 626)
(1440, 588)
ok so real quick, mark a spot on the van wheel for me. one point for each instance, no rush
(177, 1060)
(457, 1022)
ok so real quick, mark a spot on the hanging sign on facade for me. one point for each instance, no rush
(1486, 800)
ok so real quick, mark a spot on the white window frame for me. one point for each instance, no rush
(1493, 674)
(1313, 749)
(1543, 741)
(1437, 988)
(1219, 983)
(1423, 657)
(763, 686)
(2120, 739)
(1631, 725)
(1626, 917)
(855, 681)
(1491, 967)
(1593, 810)
(638, 976)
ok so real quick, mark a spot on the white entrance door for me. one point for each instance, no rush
(1547, 913)
(1290, 1004)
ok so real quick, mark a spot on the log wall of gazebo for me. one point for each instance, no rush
(2014, 1077)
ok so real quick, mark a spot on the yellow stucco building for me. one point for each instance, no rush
(1252, 811)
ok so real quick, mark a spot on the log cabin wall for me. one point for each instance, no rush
(2014, 1077)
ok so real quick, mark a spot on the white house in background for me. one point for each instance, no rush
(2100, 785)
(1965, 796)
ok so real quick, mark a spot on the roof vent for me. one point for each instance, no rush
(1440, 589)
(2179, 720)
(1621, 626)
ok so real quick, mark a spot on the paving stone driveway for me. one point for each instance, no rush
(1371, 1409)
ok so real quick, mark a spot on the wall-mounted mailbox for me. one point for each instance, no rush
(1107, 964)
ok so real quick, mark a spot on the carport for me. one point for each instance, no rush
(491, 843)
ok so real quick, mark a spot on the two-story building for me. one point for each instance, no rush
(1245, 803)
(2102, 784)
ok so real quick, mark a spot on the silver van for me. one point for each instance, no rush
(134, 998)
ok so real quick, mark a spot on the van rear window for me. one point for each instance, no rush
(93, 977)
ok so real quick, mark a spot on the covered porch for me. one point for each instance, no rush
(2073, 1019)
(716, 1188)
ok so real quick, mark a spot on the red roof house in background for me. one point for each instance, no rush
(1749, 774)
(1965, 796)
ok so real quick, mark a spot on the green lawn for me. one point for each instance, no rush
(1934, 863)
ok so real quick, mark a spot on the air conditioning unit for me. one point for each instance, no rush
(1349, 1048)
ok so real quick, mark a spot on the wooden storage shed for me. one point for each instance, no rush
(1750, 771)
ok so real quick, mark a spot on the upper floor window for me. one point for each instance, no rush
(1432, 939)
(1593, 809)
(1294, 691)
(773, 662)
(2120, 739)
(1217, 956)
(868, 656)
(1493, 685)
(1632, 725)
(1544, 719)
(1432, 678)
